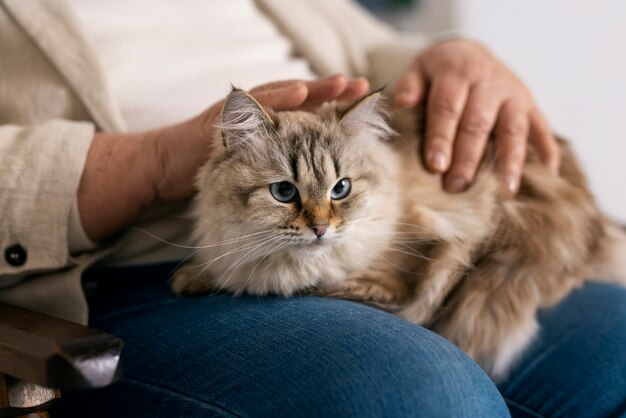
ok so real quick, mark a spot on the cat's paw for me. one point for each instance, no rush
(363, 290)
(418, 311)
(189, 280)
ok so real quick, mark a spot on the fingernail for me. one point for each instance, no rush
(456, 184)
(358, 80)
(404, 94)
(404, 98)
(332, 76)
(512, 183)
(294, 86)
(437, 161)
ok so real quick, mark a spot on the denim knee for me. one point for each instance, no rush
(381, 365)
(279, 357)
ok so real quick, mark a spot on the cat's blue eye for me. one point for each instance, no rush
(283, 191)
(341, 189)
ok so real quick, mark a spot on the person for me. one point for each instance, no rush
(85, 90)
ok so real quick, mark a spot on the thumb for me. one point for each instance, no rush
(283, 98)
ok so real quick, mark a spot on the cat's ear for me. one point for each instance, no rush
(367, 113)
(243, 119)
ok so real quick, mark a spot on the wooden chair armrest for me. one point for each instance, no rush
(56, 353)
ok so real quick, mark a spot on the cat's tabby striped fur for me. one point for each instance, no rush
(474, 267)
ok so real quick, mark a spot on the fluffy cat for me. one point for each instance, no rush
(336, 203)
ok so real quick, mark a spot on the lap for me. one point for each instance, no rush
(577, 365)
(304, 356)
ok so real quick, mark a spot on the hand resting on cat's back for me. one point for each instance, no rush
(338, 203)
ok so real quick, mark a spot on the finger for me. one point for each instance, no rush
(341, 91)
(328, 88)
(410, 89)
(355, 89)
(511, 133)
(446, 100)
(544, 140)
(275, 85)
(477, 122)
(317, 91)
(285, 98)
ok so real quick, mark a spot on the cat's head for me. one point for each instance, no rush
(306, 181)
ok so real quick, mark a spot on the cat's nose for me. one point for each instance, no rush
(319, 229)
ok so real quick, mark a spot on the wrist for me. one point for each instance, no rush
(115, 186)
(175, 154)
(126, 173)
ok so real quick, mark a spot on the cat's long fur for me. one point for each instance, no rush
(475, 267)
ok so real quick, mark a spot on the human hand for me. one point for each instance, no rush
(126, 173)
(468, 95)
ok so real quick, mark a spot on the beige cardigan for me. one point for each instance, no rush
(53, 96)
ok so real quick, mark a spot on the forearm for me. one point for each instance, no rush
(116, 184)
(125, 174)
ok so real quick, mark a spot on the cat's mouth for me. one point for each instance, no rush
(313, 243)
(321, 241)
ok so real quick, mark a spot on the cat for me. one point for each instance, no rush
(338, 203)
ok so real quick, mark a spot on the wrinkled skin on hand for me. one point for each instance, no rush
(471, 97)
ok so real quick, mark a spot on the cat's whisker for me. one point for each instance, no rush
(373, 220)
(400, 109)
(183, 261)
(270, 252)
(245, 258)
(232, 241)
(200, 247)
(397, 267)
(235, 250)
(206, 220)
(226, 242)
(411, 236)
(164, 241)
(206, 264)
(238, 235)
(362, 220)
(418, 227)
(236, 240)
(389, 247)
(412, 253)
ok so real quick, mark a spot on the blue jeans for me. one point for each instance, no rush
(305, 356)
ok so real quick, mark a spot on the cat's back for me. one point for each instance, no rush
(445, 216)
(552, 223)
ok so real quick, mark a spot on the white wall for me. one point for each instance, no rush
(572, 54)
